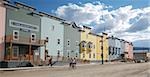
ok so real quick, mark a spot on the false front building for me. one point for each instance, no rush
(22, 34)
(62, 38)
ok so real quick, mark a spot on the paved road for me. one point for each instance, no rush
(107, 70)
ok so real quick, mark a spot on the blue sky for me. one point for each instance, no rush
(125, 19)
(49, 5)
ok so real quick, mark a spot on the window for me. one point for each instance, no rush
(83, 44)
(47, 39)
(58, 53)
(58, 41)
(53, 27)
(109, 50)
(116, 51)
(15, 35)
(76, 54)
(68, 54)
(33, 37)
(90, 45)
(83, 55)
(89, 55)
(93, 55)
(68, 43)
(15, 51)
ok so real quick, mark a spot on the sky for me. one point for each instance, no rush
(125, 19)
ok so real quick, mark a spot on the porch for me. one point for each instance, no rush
(22, 50)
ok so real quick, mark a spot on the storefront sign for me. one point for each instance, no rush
(23, 26)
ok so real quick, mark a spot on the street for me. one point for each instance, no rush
(93, 70)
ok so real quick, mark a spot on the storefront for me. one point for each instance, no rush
(23, 32)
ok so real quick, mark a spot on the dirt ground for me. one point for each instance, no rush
(106, 70)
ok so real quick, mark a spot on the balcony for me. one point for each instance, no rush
(89, 49)
(83, 49)
(24, 40)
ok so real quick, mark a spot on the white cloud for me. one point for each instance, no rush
(124, 22)
(84, 14)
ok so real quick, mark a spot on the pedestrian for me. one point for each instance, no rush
(74, 63)
(70, 62)
(50, 61)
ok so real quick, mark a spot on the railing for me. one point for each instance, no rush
(24, 40)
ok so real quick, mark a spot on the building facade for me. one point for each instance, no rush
(98, 47)
(53, 31)
(22, 31)
(92, 45)
(71, 40)
(130, 50)
(128, 54)
(87, 48)
(2, 30)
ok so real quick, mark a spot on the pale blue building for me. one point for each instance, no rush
(114, 48)
(53, 31)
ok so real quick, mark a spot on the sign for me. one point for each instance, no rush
(23, 26)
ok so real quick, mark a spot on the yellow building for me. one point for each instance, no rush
(92, 45)
(98, 47)
(90, 48)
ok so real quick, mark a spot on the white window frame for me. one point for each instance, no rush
(15, 35)
(34, 37)
(83, 44)
(58, 41)
(68, 43)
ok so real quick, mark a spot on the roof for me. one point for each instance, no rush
(51, 16)
(86, 27)
(10, 5)
(24, 5)
(95, 34)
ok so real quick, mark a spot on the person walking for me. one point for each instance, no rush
(50, 61)
(70, 62)
(74, 63)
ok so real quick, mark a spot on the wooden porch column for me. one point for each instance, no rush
(10, 51)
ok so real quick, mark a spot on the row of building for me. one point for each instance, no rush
(29, 35)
